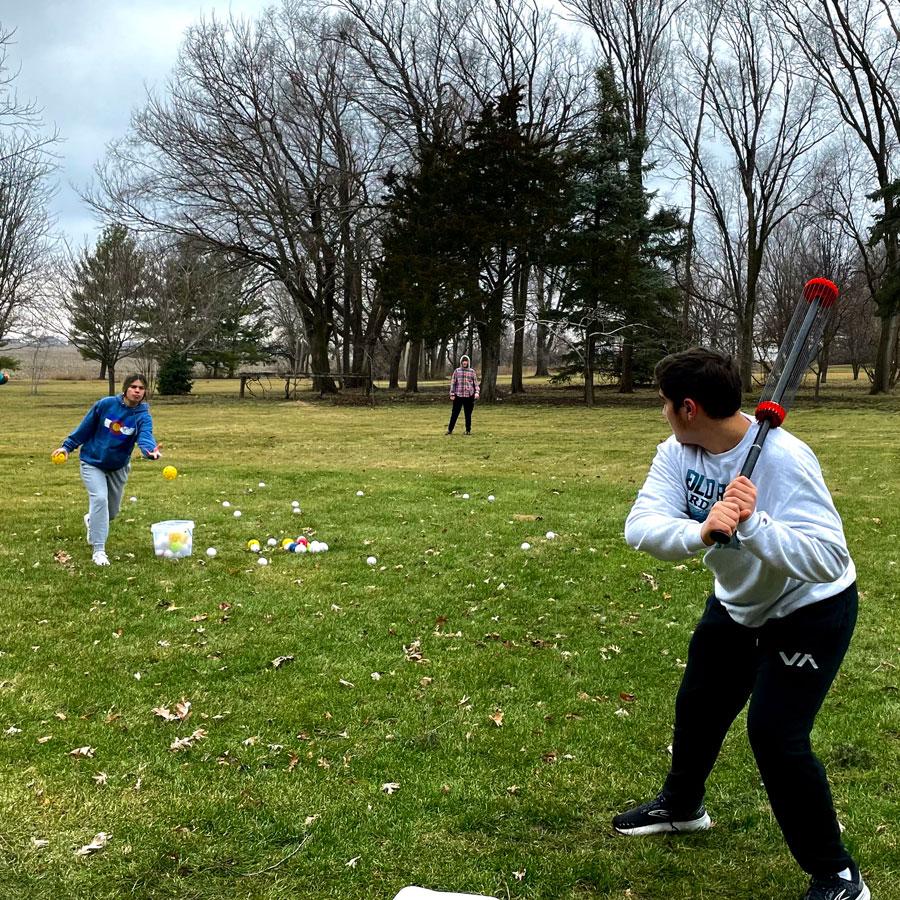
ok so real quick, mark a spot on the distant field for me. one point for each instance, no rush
(465, 714)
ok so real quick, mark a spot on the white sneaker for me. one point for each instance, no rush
(87, 526)
(100, 558)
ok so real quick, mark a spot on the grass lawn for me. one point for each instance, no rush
(516, 699)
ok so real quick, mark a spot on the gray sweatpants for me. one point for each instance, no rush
(105, 491)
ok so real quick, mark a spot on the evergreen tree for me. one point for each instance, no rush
(615, 250)
(107, 290)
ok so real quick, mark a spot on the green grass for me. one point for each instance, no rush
(294, 758)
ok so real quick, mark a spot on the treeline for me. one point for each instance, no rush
(370, 181)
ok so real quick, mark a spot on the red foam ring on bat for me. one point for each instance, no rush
(774, 412)
(821, 289)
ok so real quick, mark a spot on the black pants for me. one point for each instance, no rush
(785, 667)
(466, 403)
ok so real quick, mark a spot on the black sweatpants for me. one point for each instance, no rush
(785, 667)
(466, 403)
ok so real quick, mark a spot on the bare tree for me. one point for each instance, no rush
(240, 154)
(852, 48)
(763, 120)
(25, 165)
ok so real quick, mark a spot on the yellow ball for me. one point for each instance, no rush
(58, 458)
(170, 473)
(253, 545)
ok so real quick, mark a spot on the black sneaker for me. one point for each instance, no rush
(656, 817)
(837, 888)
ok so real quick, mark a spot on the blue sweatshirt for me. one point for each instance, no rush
(109, 431)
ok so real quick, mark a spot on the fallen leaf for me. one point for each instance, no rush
(497, 718)
(279, 661)
(185, 743)
(39, 843)
(101, 778)
(390, 787)
(351, 863)
(101, 839)
(83, 752)
(45, 738)
(625, 697)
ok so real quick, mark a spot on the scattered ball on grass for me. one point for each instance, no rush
(551, 535)
(295, 503)
(262, 561)
(491, 498)
(271, 542)
(360, 494)
(296, 510)
(226, 504)
(465, 496)
(237, 513)
(170, 473)
(262, 484)
(132, 499)
(371, 560)
(526, 545)
(211, 551)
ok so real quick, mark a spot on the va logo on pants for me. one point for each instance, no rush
(797, 660)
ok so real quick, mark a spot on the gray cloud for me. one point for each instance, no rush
(88, 64)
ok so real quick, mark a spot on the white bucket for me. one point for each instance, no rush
(173, 539)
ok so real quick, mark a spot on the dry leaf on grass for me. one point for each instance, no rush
(279, 661)
(181, 712)
(101, 839)
(497, 718)
(83, 752)
(185, 743)
(351, 863)
(390, 787)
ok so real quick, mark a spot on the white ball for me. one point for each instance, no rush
(296, 510)
(371, 560)
(226, 504)
(210, 551)
(491, 498)
(132, 499)
(360, 494)
(526, 545)
(295, 503)
(551, 535)
(262, 561)
(272, 542)
(237, 513)
(254, 547)
(465, 496)
(301, 548)
(323, 546)
(262, 484)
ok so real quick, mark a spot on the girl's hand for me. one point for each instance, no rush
(59, 452)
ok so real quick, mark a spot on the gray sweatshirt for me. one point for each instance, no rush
(790, 553)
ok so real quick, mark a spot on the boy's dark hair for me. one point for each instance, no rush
(131, 379)
(706, 376)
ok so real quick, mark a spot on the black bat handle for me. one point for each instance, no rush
(722, 537)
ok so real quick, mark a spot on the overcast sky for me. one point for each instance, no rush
(88, 63)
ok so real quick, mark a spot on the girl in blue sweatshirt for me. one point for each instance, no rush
(107, 436)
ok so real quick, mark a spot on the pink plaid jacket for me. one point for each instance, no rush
(464, 383)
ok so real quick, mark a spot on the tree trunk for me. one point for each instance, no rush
(412, 367)
(394, 368)
(626, 378)
(589, 368)
(884, 359)
(745, 352)
(102, 374)
(490, 359)
(317, 332)
(540, 341)
(111, 377)
(520, 301)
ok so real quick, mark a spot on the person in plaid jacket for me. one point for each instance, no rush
(464, 391)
